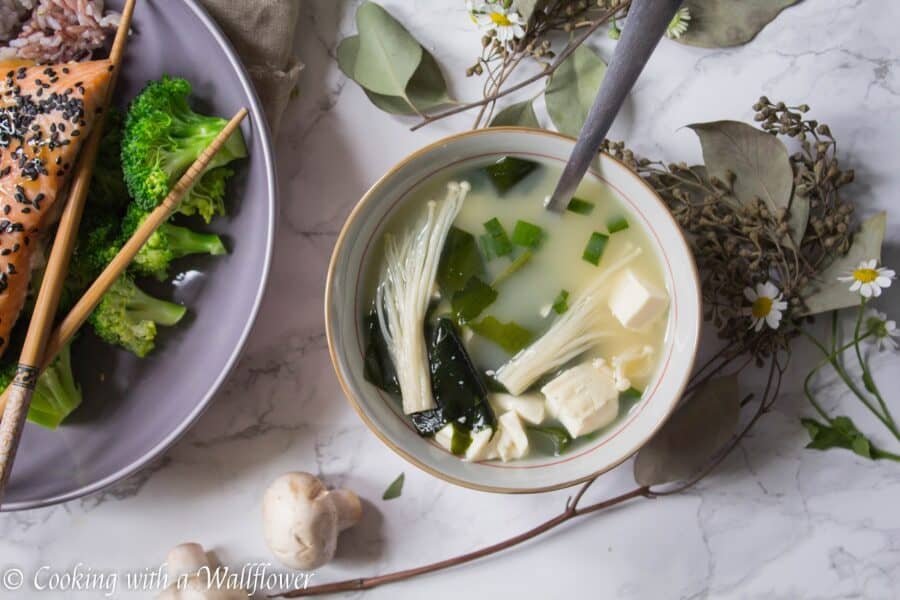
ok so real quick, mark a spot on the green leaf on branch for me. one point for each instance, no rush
(520, 114)
(692, 436)
(572, 89)
(388, 55)
(395, 86)
(840, 433)
(758, 160)
(724, 23)
(826, 293)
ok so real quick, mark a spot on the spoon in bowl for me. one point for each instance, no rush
(647, 22)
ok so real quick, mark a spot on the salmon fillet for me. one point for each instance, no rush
(45, 114)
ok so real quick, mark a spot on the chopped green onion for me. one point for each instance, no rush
(561, 304)
(580, 207)
(558, 438)
(487, 246)
(460, 261)
(527, 234)
(520, 261)
(470, 301)
(508, 171)
(499, 241)
(595, 247)
(511, 336)
(617, 224)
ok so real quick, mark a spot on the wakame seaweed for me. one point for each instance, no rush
(508, 171)
(460, 261)
(470, 301)
(379, 368)
(457, 387)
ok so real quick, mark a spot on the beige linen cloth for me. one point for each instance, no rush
(262, 32)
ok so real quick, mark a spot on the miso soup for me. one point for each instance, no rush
(503, 328)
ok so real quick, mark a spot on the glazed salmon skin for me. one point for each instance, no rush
(46, 112)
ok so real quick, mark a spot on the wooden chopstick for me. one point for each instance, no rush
(89, 300)
(19, 393)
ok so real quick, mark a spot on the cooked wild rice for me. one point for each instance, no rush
(56, 30)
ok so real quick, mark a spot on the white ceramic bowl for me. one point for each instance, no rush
(345, 304)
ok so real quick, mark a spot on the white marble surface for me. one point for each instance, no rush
(777, 521)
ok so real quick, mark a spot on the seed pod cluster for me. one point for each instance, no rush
(739, 242)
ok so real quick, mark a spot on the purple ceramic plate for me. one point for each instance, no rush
(134, 409)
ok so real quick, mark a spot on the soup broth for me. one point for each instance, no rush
(547, 269)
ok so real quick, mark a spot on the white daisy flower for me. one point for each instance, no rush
(507, 24)
(678, 26)
(885, 331)
(868, 279)
(767, 304)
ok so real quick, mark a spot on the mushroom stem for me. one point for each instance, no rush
(349, 508)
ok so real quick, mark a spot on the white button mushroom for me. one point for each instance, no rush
(190, 570)
(302, 519)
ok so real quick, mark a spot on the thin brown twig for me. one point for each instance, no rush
(526, 82)
(570, 512)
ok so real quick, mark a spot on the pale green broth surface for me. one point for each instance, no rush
(556, 264)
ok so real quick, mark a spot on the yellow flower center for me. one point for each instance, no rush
(865, 275)
(500, 19)
(762, 306)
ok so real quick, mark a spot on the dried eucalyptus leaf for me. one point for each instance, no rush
(572, 89)
(724, 23)
(426, 90)
(388, 55)
(692, 436)
(518, 114)
(799, 218)
(758, 160)
(827, 293)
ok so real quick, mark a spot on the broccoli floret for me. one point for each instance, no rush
(57, 393)
(163, 136)
(166, 244)
(96, 245)
(207, 197)
(127, 316)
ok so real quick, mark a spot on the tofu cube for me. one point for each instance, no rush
(480, 447)
(529, 407)
(510, 441)
(444, 437)
(635, 302)
(583, 398)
